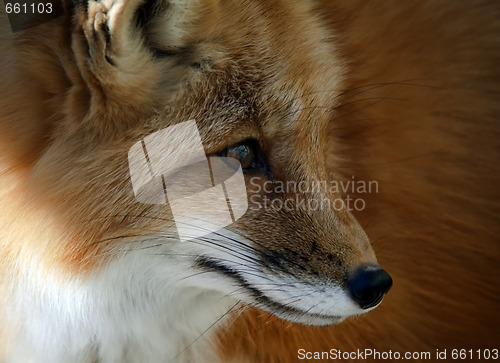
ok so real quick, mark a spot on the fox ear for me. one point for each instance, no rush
(117, 30)
(115, 42)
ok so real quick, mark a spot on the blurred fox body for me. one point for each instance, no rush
(405, 95)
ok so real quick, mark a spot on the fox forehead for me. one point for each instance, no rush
(257, 77)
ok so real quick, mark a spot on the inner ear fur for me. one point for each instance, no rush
(114, 41)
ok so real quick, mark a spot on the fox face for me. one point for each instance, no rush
(261, 79)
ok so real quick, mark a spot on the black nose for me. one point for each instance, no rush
(368, 285)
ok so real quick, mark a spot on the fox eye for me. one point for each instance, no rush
(245, 153)
(250, 156)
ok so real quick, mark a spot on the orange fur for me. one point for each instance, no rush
(415, 88)
(420, 115)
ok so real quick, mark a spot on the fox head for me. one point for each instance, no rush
(262, 80)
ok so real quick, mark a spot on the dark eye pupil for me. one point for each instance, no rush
(244, 153)
(239, 152)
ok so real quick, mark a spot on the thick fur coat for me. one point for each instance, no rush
(402, 93)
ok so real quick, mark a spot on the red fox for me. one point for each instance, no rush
(311, 105)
